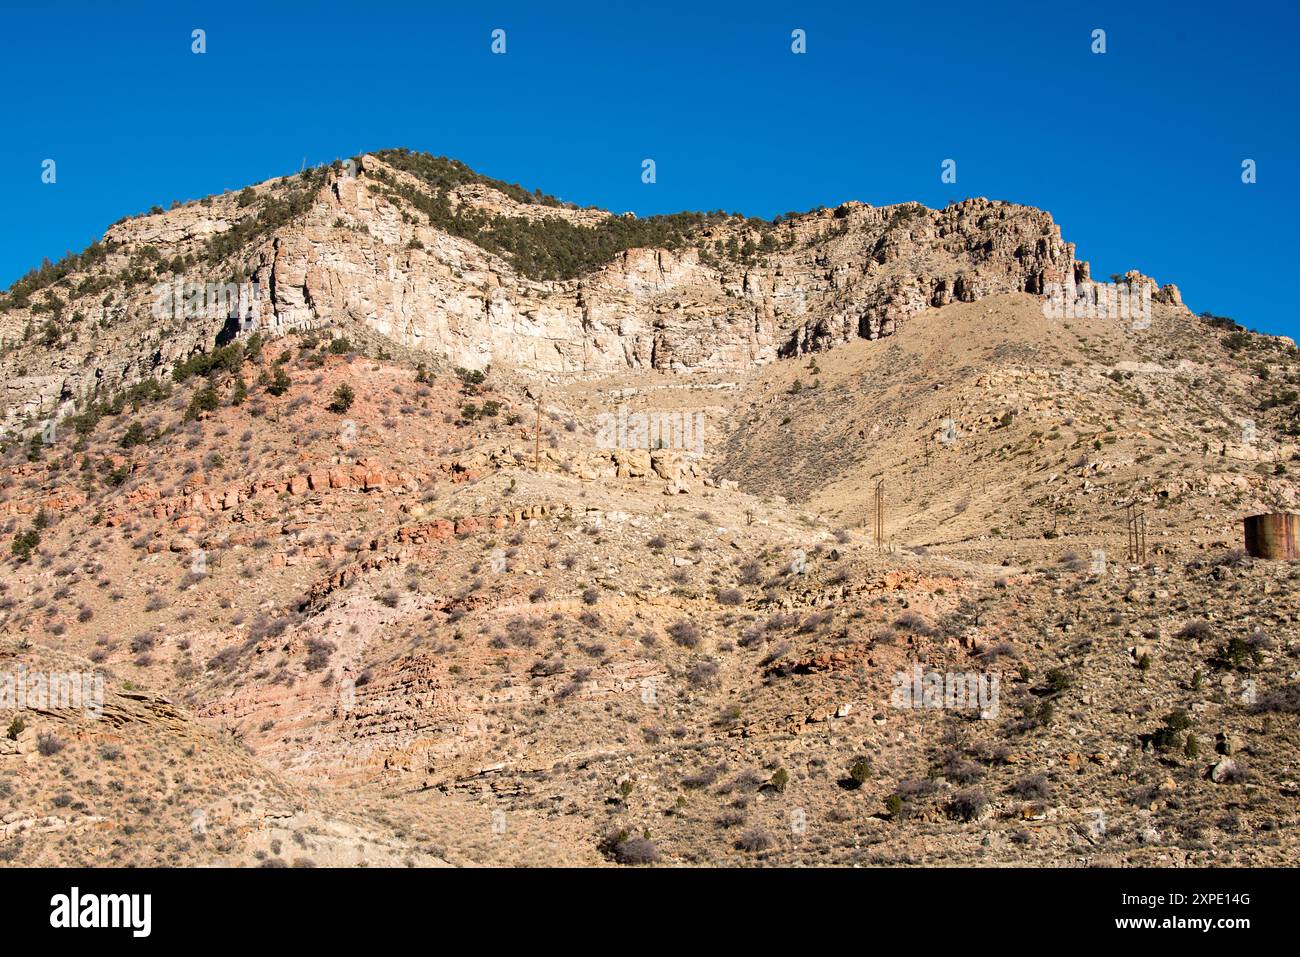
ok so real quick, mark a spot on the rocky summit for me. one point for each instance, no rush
(390, 514)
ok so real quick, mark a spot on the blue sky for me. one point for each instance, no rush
(1136, 152)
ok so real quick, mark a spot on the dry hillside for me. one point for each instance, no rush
(367, 585)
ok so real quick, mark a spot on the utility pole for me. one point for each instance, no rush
(1137, 533)
(880, 515)
(537, 437)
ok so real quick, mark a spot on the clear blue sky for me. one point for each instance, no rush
(1137, 152)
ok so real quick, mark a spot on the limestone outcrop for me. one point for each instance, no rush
(357, 254)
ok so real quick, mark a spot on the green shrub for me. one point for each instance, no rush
(1239, 653)
(343, 399)
(222, 359)
(1169, 736)
(1058, 679)
(279, 381)
(133, 436)
(204, 400)
(24, 544)
(860, 772)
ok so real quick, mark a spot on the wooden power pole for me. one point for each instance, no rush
(537, 438)
(880, 515)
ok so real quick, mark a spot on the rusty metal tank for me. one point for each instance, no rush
(1275, 536)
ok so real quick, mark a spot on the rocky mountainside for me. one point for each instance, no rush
(469, 527)
(438, 259)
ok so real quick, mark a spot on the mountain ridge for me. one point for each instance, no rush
(440, 259)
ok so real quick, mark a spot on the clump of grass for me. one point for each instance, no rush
(753, 840)
(1195, 630)
(624, 848)
(318, 653)
(968, 804)
(701, 778)
(1032, 786)
(1284, 700)
(703, 674)
(961, 770)
(685, 633)
(911, 621)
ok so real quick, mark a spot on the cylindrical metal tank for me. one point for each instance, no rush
(1275, 536)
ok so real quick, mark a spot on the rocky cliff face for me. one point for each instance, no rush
(356, 252)
(855, 271)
